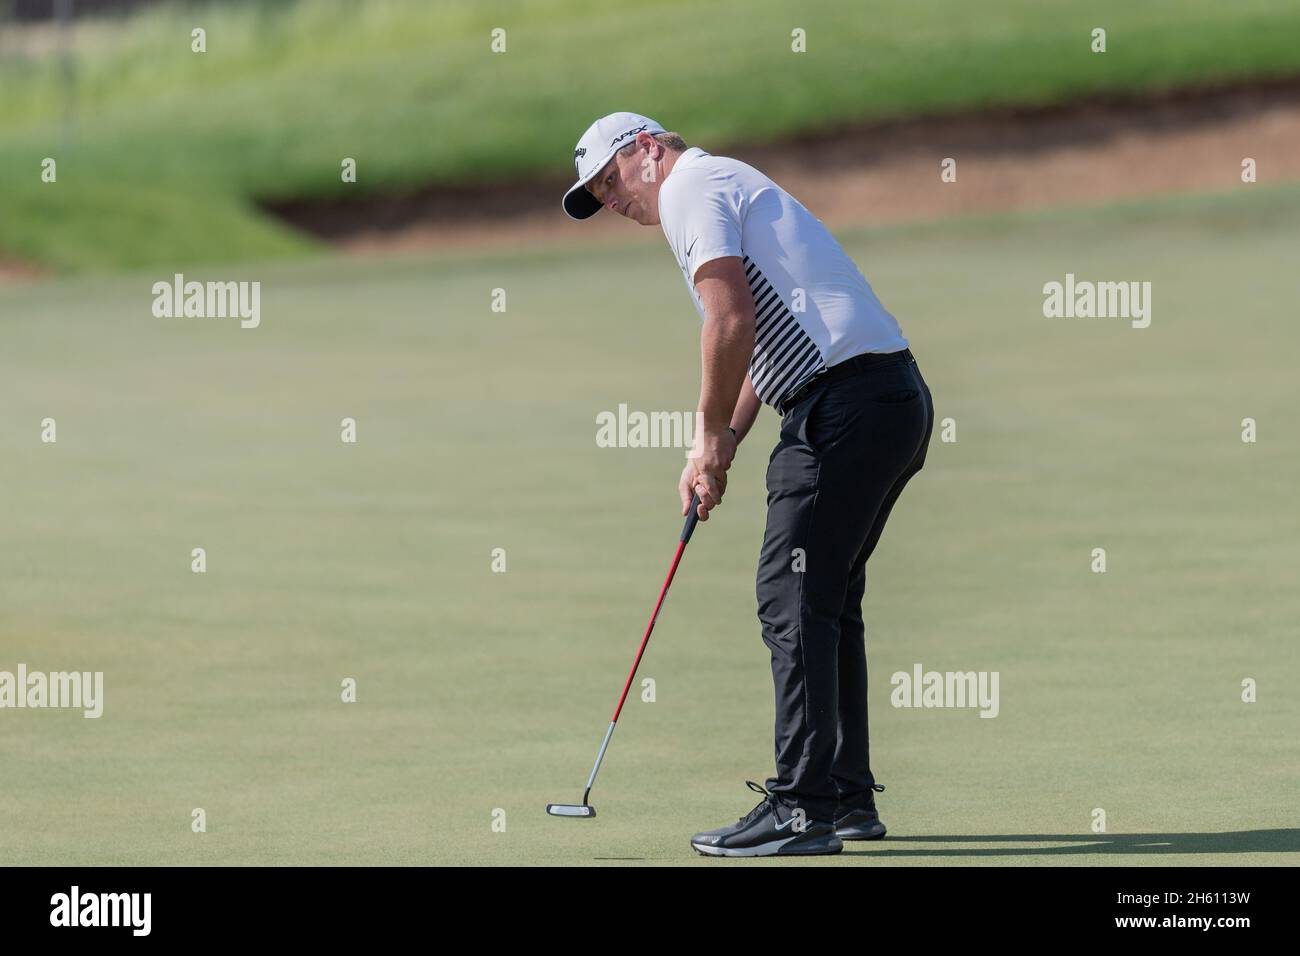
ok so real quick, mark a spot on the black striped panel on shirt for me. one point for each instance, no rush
(784, 355)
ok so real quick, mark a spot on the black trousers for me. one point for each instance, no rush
(845, 454)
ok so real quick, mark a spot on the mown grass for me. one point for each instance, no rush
(482, 691)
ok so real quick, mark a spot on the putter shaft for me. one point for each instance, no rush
(692, 518)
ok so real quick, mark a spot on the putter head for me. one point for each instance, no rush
(570, 810)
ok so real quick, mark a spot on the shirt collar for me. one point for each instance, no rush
(690, 156)
(685, 159)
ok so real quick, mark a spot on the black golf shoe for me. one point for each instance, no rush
(863, 823)
(770, 829)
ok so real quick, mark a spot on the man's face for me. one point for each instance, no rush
(623, 188)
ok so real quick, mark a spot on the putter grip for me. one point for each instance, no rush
(692, 519)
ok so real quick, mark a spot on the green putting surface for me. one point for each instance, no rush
(483, 696)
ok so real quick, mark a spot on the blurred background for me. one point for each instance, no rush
(235, 153)
(1172, 156)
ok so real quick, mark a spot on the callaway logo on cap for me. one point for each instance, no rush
(598, 145)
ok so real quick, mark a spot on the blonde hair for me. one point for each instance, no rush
(671, 141)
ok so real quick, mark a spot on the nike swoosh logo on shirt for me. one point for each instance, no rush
(690, 247)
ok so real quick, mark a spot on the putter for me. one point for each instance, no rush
(585, 809)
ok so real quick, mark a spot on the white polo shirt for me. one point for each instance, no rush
(813, 308)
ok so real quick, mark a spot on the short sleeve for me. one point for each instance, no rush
(700, 219)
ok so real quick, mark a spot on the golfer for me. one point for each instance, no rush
(789, 322)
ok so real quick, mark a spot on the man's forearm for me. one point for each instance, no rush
(726, 345)
(747, 408)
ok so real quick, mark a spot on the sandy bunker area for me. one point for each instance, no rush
(1093, 152)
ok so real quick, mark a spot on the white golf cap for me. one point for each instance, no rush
(601, 141)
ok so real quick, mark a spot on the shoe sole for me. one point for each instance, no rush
(875, 832)
(821, 846)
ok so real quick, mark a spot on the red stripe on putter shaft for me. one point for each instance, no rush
(681, 546)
